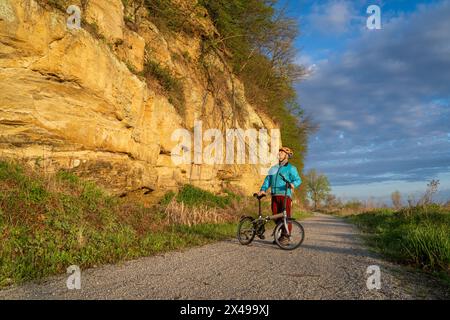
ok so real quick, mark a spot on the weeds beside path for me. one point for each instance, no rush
(331, 264)
(418, 236)
(49, 222)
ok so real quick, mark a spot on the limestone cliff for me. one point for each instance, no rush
(78, 99)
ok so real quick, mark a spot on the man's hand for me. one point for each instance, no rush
(261, 193)
(292, 186)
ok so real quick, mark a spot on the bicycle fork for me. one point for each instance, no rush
(285, 223)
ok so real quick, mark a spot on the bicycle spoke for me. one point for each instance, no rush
(246, 231)
(292, 240)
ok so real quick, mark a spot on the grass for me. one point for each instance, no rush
(193, 196)
(418, 236)
(49, 222)
(172, 86)
(301, 215)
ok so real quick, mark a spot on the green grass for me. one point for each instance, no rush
(301, 215)
(418, 236)
(193, 196)
(50, 223)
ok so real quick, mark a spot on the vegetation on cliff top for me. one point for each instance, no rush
(256, 39)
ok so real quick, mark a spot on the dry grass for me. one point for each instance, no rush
(179, 213)
(447, 205)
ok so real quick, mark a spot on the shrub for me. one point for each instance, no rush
(193, 196)
(169, 16)
(170, 84)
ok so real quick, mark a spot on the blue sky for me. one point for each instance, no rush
(381, 97)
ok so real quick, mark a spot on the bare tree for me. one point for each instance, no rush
(432, 188)
(396, 197)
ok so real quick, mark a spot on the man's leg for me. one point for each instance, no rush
(276, 207)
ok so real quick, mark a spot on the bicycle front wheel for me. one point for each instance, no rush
(246, 230)
(294, 239)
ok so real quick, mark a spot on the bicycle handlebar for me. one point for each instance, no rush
(258, 197)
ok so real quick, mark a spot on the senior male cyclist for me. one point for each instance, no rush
(278, 186)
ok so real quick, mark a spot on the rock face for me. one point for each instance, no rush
(108, 17)
(74, 99)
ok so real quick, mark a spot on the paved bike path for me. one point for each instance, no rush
(330, 264)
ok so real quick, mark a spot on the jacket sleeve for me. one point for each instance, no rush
(295, 177)
(266, 184)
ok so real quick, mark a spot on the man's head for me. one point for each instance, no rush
(285, 154)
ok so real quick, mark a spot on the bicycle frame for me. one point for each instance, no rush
(285, 205)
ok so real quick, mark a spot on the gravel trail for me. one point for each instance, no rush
(331, 264)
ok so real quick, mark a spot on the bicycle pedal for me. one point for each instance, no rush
(261, 236)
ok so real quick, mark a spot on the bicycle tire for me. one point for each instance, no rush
(294, 245)
(249, 238)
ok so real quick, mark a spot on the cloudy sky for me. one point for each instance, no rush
(381, 97)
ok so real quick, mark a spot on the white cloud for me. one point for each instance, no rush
(332, 16)
(389, 89)
(346, 124)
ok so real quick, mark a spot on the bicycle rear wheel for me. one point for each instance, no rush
(294, 240)
(246, 230)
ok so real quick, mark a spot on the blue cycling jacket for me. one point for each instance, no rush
(276, 183)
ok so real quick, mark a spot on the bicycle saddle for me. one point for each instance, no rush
(259, 197)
